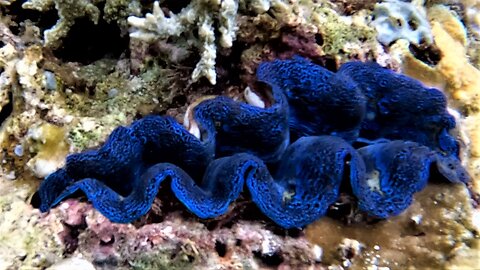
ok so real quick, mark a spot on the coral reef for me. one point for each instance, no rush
(68, 11)
(201, 13)
(81, 85)
(336, 35)
(154, 149)
(396, 20)
(311, 29)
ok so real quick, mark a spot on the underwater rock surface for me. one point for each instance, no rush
(236, 140)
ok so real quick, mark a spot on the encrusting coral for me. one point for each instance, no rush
(396, 20)
(236, 141)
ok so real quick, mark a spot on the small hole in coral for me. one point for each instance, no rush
(108, 243)
(70, 236)
(274, 259)
(430, 55)
(238, 242)
(413, 24)
(399, 22)
(319, 39)
(330, 64)
(221, 248)
(35, 202)
(7, 108)
(179, 101)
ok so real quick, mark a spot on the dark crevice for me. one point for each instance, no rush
(430, 55)
(179, 101)
(70, 238)
(87, 42)
(220, 248)
(272, 260)
(42, 19)
(109, 242)
(228, 67)
(319, 39)
(7, 108)
(175, 6)
(331, 64)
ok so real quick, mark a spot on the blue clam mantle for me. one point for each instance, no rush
(292, 154)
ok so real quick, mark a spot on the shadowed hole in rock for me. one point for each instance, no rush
(294, 233)
(331, 64)
(109, 242)
(70, 236)
(175, 6)
(413, 24)
(228, 68)
(319, 39)
(272, 260)
(429, 55)
(42, 19)
(179, 101)
(106, 262)
(87, 42)
(220, 248)
(7, 108)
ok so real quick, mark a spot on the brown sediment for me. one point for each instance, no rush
(432, 233)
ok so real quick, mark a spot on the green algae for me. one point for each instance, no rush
(337, 35)
(161, 262)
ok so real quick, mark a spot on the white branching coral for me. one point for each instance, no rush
(199, 14)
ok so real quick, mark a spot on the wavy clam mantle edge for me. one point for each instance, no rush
(303, 131)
